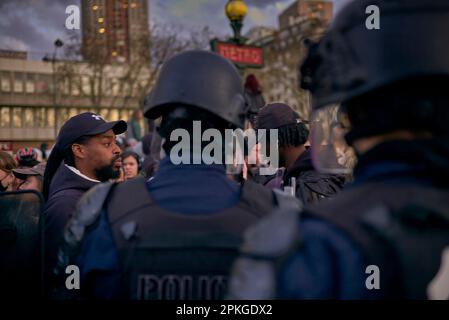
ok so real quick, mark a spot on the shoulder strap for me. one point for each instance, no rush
(128, 197)
(263, 253)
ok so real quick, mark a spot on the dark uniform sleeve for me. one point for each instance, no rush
(57, 212)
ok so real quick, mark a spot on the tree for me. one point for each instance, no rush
(89, 69)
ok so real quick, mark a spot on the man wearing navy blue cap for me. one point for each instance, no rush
(85, 154)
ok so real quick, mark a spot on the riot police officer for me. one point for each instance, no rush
(382, 93)
(175, 235)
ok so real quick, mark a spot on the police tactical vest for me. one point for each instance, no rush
(403, 230)
(169, 255)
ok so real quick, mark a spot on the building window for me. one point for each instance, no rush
(104, 113)
(63, 116)
(113, 115)
(130, 113)
(50, 119)
(126, 88)
(43, 83)
(75, 85)
(5, 117)
(17, 117)
(124, 115)
(5, 78)
(106, 87)
(18, 82)
(85, 82)
(73, 112)
(28, 118)
(29, 85)
(40, 117)
(66, 86)
(115, 87)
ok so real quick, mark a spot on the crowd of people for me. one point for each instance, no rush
(362, 183)
(25, 169)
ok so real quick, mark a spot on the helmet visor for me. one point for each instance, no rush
(330, 152)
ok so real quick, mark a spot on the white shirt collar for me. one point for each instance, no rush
(76, 171)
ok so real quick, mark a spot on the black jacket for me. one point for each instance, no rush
(312, 185)
(66, 189)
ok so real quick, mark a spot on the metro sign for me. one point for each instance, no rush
(249, 56)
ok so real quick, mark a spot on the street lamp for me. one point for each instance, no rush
(58, 44)
(236, 11)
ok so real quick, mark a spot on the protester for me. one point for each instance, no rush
(151, 148)
(254, 97)
(7, 164)
(299, 176)
(32, 177)
(27, 157)
(131, 165)
(134, 131)
(84, 155)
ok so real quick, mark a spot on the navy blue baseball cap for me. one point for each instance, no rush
(86, 124)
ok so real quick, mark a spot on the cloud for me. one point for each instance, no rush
(191, 14)
(256, 15)
(35, 23)
(265, 3)
(10, 43)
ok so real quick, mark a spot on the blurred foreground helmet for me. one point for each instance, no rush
(201, 79)
(352, 60)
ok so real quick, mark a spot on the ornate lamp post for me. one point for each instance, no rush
(236, 11)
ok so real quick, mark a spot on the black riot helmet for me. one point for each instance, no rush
(351, 60)
(202, 80)
(367, 82)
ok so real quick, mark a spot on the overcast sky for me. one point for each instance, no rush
(33, 25)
